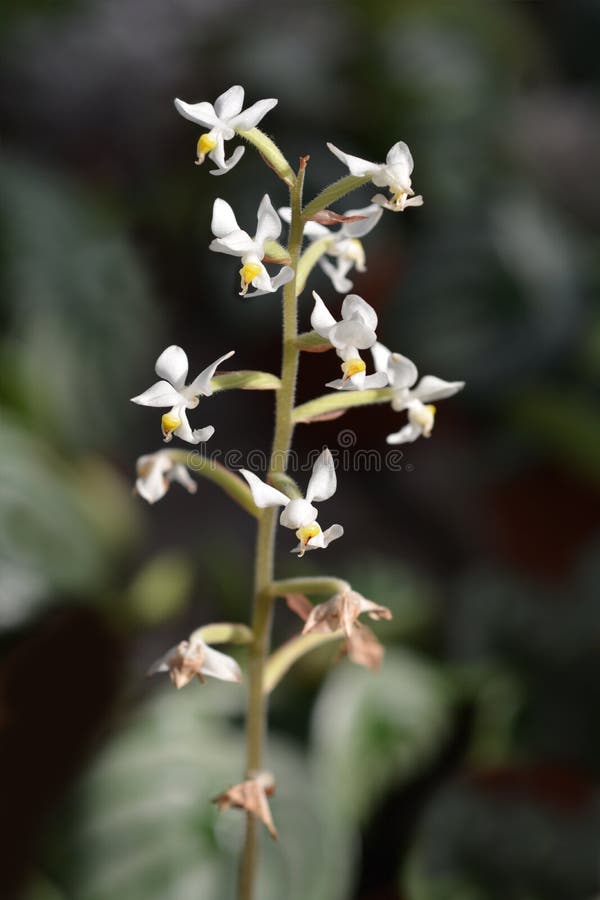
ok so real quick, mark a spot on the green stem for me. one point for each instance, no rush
(340, 400)
(309, 259)
(271, 154)
(333, 192)
(213, 471)
(313, 585)
(265, 542)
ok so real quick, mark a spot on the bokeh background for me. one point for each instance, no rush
(469, 768)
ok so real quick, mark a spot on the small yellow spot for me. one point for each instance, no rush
(248, 273)
(304, 535)
(428, 427)
(352, 367)
(168, 424)
(206, 143)
(356, 253)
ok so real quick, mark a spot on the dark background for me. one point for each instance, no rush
(468, 769)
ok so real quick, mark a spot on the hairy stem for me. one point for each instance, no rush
(341, 400)
(265, 543)
(311, 586)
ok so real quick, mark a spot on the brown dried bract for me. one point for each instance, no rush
(329, 217)
(251, 795)
(325, 417)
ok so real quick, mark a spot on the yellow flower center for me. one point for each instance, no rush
(356, 253)
(206, 143)
(352, 367)
(168, 424)
(248, 273)
(425, 417)
(304, 535)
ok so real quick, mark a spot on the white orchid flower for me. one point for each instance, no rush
(355, 331)
(223, 119)
(194, 658)
(230, 239)
(394, 174)
(300, 515)
(345, 245)
(402, 374)
(155, 474)
(172, 368)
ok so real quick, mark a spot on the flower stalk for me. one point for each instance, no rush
(265, 540)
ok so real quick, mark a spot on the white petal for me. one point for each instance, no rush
(323, 539)
(353, 333)
(431, 388)
(226, 165)
(359, 167)
(160, 394)
(321, 319)
(162, 663)
(219, 665)
(400, 155)
(263, 494)
(330, 534)
(201, 384)
(339, 384)
(236, 243)
(375, 381)
(381, 356)
(151, 483)
(354, 307)
(172, 365)
(284, 275)
(268, 222)
(402, 371)
(223, 220)
(180, 473)
(201, 113)
(372, 214)
(406, 435)
(337, 273)
(250, 117)
(185, 432)
(230, 102)
(298, 513)
(323, 481)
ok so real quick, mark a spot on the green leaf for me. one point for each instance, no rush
(140, 825)
(371, 731)
(160, 589)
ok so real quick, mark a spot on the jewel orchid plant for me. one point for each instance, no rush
(276, 498)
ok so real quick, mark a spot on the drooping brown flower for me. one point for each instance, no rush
(364, 648)
(251, 795)
(195, 659)
(341, 612)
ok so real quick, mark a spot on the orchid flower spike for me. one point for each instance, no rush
(172, 368)
(194, 658)
(402, 374)
(355, 331)
(345, 245)
(156, 472)
(299, 514)
(394, 174)
(230, 239)
(224, 119)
